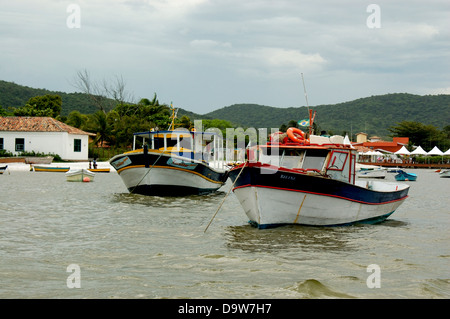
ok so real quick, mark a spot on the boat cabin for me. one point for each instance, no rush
(205, 146)
(336, 161)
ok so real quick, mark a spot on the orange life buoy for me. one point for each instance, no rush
(293, 133)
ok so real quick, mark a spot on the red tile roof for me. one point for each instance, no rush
(37, 124)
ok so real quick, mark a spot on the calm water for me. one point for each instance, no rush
(132, 246)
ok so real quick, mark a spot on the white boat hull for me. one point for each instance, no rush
(267, 206)
(79, 175)
(375, 173)
(165, 178)
(445, 173)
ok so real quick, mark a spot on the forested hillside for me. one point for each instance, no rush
(15, 95)
(373, 115)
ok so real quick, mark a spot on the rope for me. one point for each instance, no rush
(226, 196)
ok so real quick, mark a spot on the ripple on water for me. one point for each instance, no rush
(312, 288)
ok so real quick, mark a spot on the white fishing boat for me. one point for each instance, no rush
(369, 171)
(80, 175)
(311, 181)
(171, 163)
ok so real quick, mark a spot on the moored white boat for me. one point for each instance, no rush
(371, 172)
(80, 175)
(311, 183)
(444, 173)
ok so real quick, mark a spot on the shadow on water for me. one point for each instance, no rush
(249, 238)
(393, 223)
(166, 201)
(306, 238)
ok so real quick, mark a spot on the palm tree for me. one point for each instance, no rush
(102, 128)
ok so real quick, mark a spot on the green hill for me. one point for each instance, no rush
(15, 95)
(372, 115)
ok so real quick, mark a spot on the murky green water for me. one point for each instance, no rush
(133, 246)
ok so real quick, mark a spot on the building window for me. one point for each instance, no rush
(1, 144)
(20, 144)
(77, 145)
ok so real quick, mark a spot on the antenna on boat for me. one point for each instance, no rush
(306, 95)
(311, 116)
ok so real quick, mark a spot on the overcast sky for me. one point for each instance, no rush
(207, 54)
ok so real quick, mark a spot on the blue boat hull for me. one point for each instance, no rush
(403, 176)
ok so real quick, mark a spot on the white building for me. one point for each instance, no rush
(43, 135)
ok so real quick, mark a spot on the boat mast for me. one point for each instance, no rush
(173, 117)
(311, 117)
(306, 95)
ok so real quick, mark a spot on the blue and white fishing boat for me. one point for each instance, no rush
(404, 176)
(293, 180)
(171, 163)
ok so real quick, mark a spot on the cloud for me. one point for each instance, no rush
(289, 59)
(240, 51)
(209, 44)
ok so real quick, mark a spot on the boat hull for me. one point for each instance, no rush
(159, 174)
(50, 169)
(444, 173)
(99, 170)
(403, 176)
(79, 175)
(372, 173)
(284, 197)
(3, 169)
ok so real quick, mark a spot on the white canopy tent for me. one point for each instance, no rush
(435, 151)
(402, 151)
(419, 151)
(447, 152)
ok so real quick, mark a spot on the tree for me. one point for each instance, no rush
(185, 122)
(103, 95)
(76, 119)
(3, 111)
(421, 134)
(292, 123)
(46, 105)
(100, 125)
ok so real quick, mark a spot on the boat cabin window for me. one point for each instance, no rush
(171, 141)
(314, 159)
(337, 160)
(292, 158)
(270, 155)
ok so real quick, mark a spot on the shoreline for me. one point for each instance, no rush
(73, 165)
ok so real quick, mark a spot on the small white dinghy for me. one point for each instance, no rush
(80, 175)
(445, 173)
